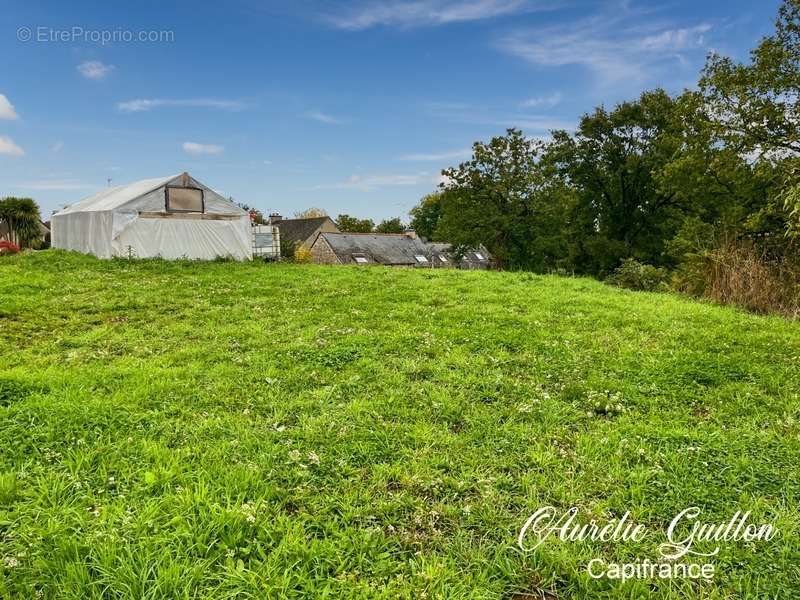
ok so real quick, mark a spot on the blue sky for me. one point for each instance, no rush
(354, 107)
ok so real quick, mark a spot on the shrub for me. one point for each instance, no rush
(288, 248)
(633, 275)
(8, 248)
(302, 254)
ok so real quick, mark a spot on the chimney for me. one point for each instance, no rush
(410, 233)
(275, 218)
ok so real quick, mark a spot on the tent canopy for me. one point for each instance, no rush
(169, 217)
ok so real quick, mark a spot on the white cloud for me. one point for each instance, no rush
(673, 40)
(7, 146)
(55, 185)
(548, 101)
(57, 146)
(7, 109)
(615, 49)
(318, 115)
(477, 115)
(94, 69)
(422, 13)
(142, 105)
(368, 183)
(198, 149)
(438, 157)
(443, 180)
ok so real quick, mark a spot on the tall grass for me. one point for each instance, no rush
(738, 273)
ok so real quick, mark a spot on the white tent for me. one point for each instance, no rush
(172, 217)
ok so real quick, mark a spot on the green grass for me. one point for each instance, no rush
(183, 430)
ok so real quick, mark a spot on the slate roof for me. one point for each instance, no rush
(299, 230)
(469, 257)
(381, 248)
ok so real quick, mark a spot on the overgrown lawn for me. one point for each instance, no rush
(190, 430)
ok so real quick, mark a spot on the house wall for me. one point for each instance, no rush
(322, 253)
(327, 227)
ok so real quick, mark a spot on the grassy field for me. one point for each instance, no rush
(182, 430)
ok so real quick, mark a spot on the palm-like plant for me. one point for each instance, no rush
(21, 215)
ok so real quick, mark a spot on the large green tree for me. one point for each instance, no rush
(755, 108)
(611, 162)
(354, 225)
(502, 198)
(426, 215)
(757, 104)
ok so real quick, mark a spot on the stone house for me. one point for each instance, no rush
(302, 232)
(392, 249)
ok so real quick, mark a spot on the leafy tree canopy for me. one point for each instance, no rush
(391, 226)
(354, 224)
(310, 213)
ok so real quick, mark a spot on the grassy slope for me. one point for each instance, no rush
(160, 424)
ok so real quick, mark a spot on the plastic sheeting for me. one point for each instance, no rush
(131, 221)
(173, 238)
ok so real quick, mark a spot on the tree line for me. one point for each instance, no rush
(666, 183)
(350, 224)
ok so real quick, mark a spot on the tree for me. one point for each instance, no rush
(425, 216)
(394, 225)
(310, 213)
(505, 200)
(256, 216)
(21, 216)
(350, 224)
(715, 183)
(611, 162)
(755, 107)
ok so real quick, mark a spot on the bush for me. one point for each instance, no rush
(633, 275)
(302, 254)
(288, 248)
(8, 248)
